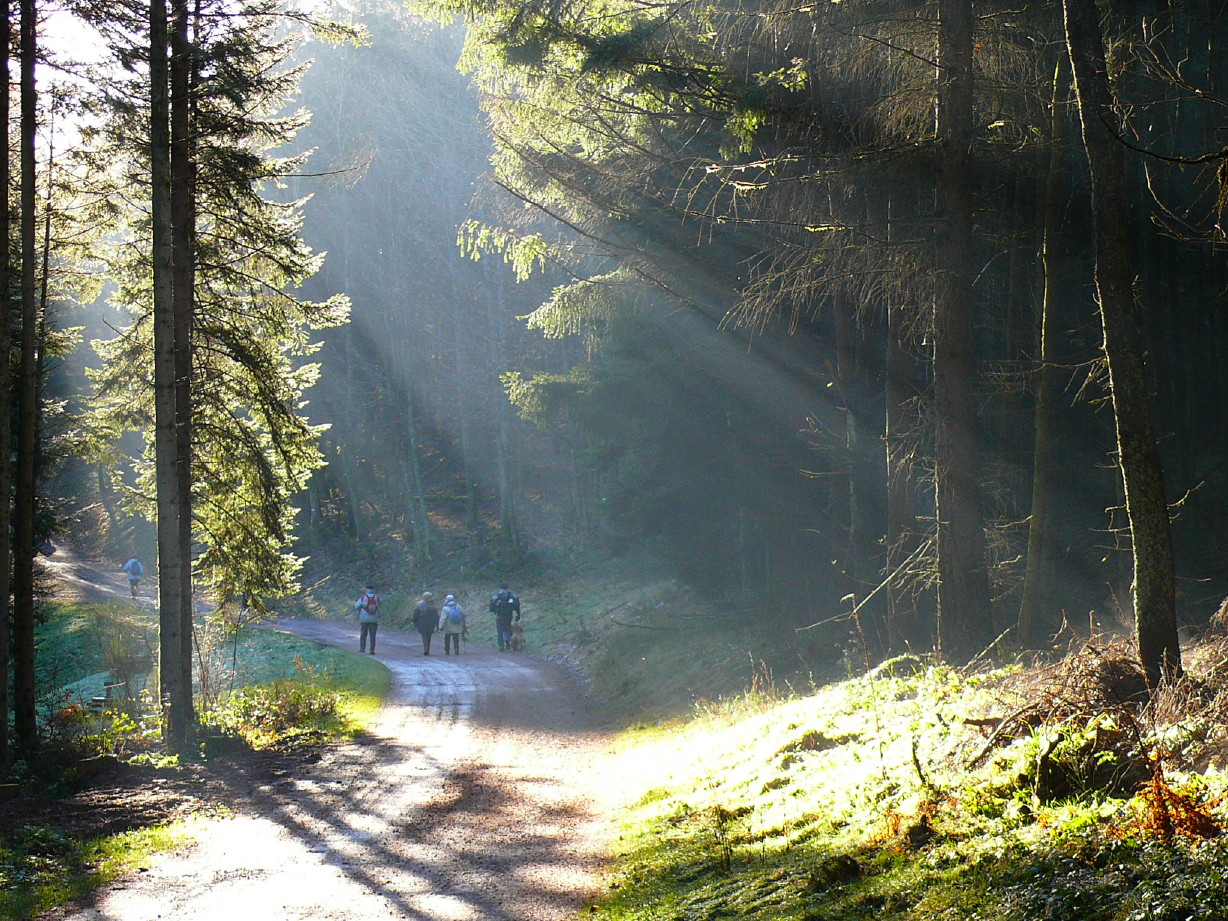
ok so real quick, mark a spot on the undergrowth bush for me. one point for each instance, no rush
(278, 712)
(32, 858)
(133, 730)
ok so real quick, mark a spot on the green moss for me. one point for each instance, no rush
(41, 867)
(865, 801)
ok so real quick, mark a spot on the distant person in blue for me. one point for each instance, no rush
(135, 570)
(504, 605)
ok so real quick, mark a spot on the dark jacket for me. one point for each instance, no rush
(503, 604)
(426, 617)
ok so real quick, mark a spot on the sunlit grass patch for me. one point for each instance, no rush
(360, 682)
(307, 692)
(875, 799)
(41, 868)
(271, 654)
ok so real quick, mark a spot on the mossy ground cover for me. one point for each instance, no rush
(42, 868)
(875, 798)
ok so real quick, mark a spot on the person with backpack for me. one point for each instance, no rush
(367, 606)
(504, 605)
(452, 624)
(135, 570)
(426, 619)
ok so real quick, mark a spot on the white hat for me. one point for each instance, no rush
(449, 599)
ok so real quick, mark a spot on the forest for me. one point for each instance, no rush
(901, 317)
(852, 291)
(841, 387)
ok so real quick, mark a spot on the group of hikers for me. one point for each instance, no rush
(450, 620)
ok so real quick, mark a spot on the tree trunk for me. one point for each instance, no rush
(183, 287)
(843, 493)
(462, 402)
(6, 424)
(25, 475)
(904, 628)
(965, 627)
(1040, 604)
(461, 407)
(408, 378)
(170, 558)
(583, 495)
(420, 522)
(349, 449)
(503, 449)
(1138, 454)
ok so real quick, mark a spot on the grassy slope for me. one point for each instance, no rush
(817, 809)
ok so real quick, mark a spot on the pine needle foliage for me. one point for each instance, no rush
(252, 335)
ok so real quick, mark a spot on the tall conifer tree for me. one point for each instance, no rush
(1138, 454)
(964, 622)
(26, 455)
(6, 345)
(211, 276)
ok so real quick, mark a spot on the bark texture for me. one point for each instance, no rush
(175, 698)
(964, 623)
(1138, 454)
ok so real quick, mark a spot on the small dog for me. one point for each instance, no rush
(517, 637)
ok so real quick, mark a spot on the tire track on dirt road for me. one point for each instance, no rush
(473, 797)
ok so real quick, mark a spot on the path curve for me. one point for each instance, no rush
(473, 797)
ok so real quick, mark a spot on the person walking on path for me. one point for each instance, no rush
(426, 620)
(135, 570)
(367, 606)
(504, 605)
(452, 623)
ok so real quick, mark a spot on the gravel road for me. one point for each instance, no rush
(474, 797)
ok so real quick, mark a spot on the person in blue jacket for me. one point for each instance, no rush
(135, 570)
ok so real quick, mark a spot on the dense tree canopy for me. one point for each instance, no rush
(902, 315)
(781, 168)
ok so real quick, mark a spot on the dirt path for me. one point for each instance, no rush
(472, 798)
(78, 578)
